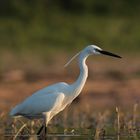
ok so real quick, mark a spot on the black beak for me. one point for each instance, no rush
(109, 53)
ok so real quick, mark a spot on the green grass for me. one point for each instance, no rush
(69, 32)
(28, 44)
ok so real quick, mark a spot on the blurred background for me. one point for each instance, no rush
(37, 37)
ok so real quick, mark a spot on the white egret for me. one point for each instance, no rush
(50, 100)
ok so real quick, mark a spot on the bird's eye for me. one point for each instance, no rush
(96, 50)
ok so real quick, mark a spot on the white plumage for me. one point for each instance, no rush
(42, 101)
(49, 101)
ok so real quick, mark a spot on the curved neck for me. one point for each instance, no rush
(80, 82)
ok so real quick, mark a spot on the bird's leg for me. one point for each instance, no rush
(45, 125)
(43, 130)
(42, 133)
(46, 130)
(40, 130)
(45, 133)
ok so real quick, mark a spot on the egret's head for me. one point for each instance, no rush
(93, 49)
(90, 50)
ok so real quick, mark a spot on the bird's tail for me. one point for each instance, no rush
(14, 111)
